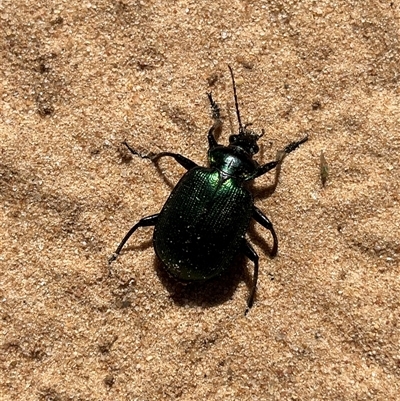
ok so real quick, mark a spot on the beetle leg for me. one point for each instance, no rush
(281, 155)
(294, 145)
(265, 168)
(260, 218)
(144, 222)
(182, 160)
(216, 129)
(249, 251)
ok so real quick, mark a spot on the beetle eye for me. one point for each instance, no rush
(233, 139)
(254, 149)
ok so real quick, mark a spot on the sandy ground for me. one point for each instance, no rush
(78, 78)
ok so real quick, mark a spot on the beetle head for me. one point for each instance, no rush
(246, 140)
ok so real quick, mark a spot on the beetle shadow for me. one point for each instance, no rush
(266, 192)
(259, 238)
(161, 173)
(206, 294)
(212, 292)
(142, 246)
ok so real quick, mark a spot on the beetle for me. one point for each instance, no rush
(202, 225)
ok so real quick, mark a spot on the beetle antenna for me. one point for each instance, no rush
(236, 100)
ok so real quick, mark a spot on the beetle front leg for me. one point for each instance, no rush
(144, 222)
(182, 160)
(260, 218)
(281, 155)
(249, 251)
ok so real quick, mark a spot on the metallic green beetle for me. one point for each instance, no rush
(202, 226)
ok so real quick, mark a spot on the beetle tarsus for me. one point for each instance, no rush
(135, 152)
(294, 145)
(112, 258)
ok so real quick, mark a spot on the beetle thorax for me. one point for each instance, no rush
(232, 161)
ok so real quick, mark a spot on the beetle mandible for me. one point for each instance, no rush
(203, 223)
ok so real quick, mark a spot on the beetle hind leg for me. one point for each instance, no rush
(249, 251)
